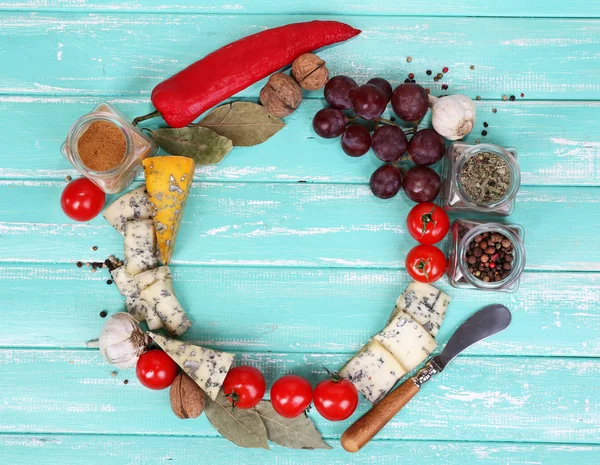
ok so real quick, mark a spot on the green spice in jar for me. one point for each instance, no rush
(485, 177)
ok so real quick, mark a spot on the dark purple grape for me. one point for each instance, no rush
(426, 147)
(368, 101)
(385, 86)
(329, 123)
(386, 181)
(410, 101)
(337, 92)
(421, 184)
(356, 141)
(389, 143)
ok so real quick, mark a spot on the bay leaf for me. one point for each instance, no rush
(242, 427)
(245, 123)
(295, 433)
(203, 145)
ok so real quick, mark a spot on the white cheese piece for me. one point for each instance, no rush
(162, 300)
(147, 278)
(373, 370)
(140, 247)
(425, 303)
(132, 206)
(136, 308)
(152, 319)
(128, 287)
(407, 340)
(205, 366)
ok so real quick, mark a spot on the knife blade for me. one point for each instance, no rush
(486, 322)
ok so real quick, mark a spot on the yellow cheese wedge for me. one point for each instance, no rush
(168, 181)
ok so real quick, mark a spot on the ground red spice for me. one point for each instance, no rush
(102, 146)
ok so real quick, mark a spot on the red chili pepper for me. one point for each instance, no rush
(230, 69)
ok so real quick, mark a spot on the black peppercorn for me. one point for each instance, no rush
(103, 314)
(484, 133)
(485, 125)
(428, 72)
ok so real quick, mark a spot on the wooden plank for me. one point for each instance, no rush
(125, 54)
(516, 399)
(298, 225)
(555, 141)
(551, 8)
(295, 309)
(151, 450)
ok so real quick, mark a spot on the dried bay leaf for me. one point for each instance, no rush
(245, 123)
(203, 145)
(242, 427)
(295, 433)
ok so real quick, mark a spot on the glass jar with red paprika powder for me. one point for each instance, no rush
(107, 149)
(485, 255)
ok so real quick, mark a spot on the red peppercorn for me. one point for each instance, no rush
(522, 95)
(411, 76)
(444, 86)
(445, 70)
(492, 265)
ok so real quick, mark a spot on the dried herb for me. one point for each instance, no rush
(203, 145)
(485, 177)
(295, 433)
(244, 123)
(242, 427)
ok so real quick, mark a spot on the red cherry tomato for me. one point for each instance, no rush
(427, 223)
(291, 395)
(335, 398)
(156, 370)
(82, 200)
(425, 263)
(244, 386)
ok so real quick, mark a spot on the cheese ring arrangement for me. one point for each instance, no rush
(150, 335)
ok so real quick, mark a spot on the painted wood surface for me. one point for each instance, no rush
(284, 257)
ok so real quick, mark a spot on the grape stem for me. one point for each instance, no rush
(391, 123)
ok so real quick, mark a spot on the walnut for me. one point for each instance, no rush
(310, 71)
(281, 95)
(187, 399)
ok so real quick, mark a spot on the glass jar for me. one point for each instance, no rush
(454, 197)
(138, 147)
(462, 233)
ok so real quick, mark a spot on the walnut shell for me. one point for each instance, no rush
(310, 71)
(187, 399)
(281, 95)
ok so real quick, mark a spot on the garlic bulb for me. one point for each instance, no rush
(122, 341)
(453, 116)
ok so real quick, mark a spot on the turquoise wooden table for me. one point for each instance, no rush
(284, 256)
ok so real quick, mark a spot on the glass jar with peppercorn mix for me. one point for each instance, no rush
(487, 256)
(482, 178)
(107, 149)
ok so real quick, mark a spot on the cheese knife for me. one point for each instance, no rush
(486, 322)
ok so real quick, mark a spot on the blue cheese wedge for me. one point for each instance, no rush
(373, 371)
(161, 299)
(152, 319)
(147, 278)
(140, 247)
(206, 367)
(407, 340)
(424, 303)
(128, 287)
(137, 308)
(133, 206)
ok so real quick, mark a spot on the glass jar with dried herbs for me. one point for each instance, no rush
(483, 178)
(486, 255)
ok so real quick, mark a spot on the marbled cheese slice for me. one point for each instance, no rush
(169, 181)
(147, 278)
(140, 247)
(136, 308)
(152, 319)
(425, 303)
(161, 299)
(133, 206)
(407, 340)
(128, 287)
(373, 370)
(205, 366)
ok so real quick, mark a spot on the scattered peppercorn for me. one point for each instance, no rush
(113, 374)
(109, 281)
(436, 79)
(444, 86)
(68, 178)
(512, 98)
(408, 59)
(428, 72)
(428, 90)
(485, 125)
(412, 80)
(472, 67)
(103, 314)
(126, 381)
(477, 141)
(407, 80)
(392, 118)
(478, 98)
(484, 133)
(79, 264)
(445, 70)
(411, 76)
(494, 110)
(95, 248)
(504, 97)
(522, 95)
(440, 75)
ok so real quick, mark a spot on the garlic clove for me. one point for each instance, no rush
(122, 340)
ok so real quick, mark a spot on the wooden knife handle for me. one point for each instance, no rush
(367, 426)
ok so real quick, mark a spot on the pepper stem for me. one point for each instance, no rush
(139, 119)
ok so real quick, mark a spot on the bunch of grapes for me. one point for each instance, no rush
(388, 140)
